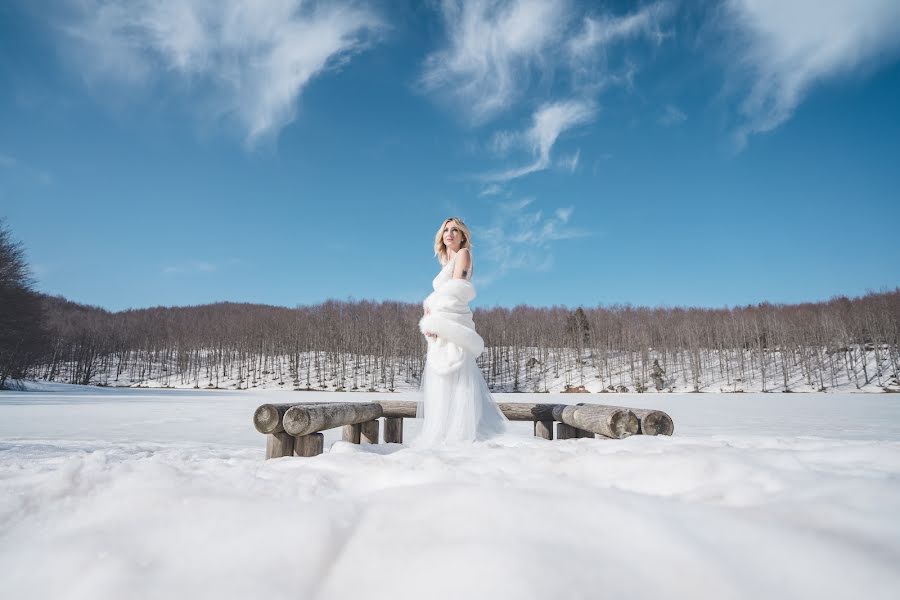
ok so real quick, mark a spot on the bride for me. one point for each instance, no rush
(456, 405)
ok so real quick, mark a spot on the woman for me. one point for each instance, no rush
(456, 405)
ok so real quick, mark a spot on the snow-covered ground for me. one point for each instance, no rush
(141, 493)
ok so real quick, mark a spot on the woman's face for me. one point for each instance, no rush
(453, 237)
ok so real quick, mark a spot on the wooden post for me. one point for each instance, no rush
(351, 433)
(310, 445)
(583, 434)
(565, 432)
(393, 430)
(369, 431)
(543, 429)
(279, 444)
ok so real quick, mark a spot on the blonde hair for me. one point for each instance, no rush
(440, 248)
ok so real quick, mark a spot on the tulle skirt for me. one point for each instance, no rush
(456, 407)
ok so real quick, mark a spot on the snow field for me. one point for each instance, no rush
(106, 494)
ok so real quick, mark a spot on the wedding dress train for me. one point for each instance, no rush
(455, 404)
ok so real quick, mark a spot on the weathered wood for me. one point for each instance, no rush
(581, 433)
(543, 429)
(654, 422)
(393, 430)
(399, 408)
(565, 432)
(369, 432)
(268, 417)
(279, 444)
(610, 421)
(312, 444)
(351, 433)
(300, 420)
(526, 411)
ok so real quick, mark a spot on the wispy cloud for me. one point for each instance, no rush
(783, 49)
(598, 33)
(570, 163)
(7, 161)
(492, 49)
(191, 266)
(248, 61)
(521, 238)
(548, 123)
(672, 115)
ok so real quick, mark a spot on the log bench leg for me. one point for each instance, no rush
(583, 434)
(351, 433)
(309, 445)
(279, 444)
(543, 429)
(565, 432)
(369, 431)
(393, 430)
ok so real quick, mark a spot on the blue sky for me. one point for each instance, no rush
(652, 153)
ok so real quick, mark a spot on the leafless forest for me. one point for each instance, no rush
(847, 343)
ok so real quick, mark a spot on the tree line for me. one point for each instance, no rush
(364, 345)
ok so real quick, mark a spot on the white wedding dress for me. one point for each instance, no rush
(455, 404)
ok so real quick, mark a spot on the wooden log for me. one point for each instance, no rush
(351, 433)
(268, 417)
(369, 431)
(526, 411)
(565, 432)
(300, 420)
(309, 445)
(279, 444)
(393, 430)
(654, 422)
(543, 429)
(610, 421)
(399, 408)
(581, 433)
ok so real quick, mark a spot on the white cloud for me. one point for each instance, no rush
(600, 32)
(522, 239)
(192, 266)
(672, 115)
(548, 123)
(251, 60)
(783, 49)
(570, 163)
(492, 48)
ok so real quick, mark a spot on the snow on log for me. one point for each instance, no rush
(303, 419)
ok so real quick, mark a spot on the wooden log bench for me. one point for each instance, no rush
(295, 429)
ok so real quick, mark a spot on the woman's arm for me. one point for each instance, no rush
(463, 265)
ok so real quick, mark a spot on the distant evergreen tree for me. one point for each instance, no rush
(22, 334)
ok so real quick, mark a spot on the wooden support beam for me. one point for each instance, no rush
(312, 444)
(351, 433)
(393, 430)
(369, 431)
(583, 434)
(279, 444)
(543, 429)
(565, 432)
